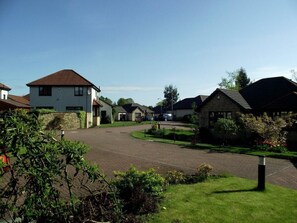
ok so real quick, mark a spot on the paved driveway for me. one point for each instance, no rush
(114, 149)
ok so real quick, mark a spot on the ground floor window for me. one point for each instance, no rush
(215, 115)
(74, 108)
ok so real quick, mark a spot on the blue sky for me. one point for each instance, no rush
(134, 48)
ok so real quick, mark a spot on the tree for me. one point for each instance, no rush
(236, 80)
(241, 79)
(171, 96)
(106, 99)
(294, 74)
(42, 180)
(124, 101)
(225, 129)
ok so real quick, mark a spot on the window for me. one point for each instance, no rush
(74, 108)
(45, 91)
(78, 91)
(214, 116)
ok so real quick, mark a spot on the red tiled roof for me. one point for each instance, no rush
(97, 103)
(10, 104)
(19, 99)
(4, 87)
(65, 77)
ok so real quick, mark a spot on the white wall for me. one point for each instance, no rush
(3, 94)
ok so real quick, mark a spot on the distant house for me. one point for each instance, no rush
(275, 96)
(11, 102)
(66, 91)
(133, 112)
(185, 107)
(106, 112)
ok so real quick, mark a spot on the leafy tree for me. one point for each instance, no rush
(42, 178)
(171, 96)
(108, 100)
(241, 79)
(236, 80)
(264, 129)
(124, 101)
(294, 74)
(225, 129)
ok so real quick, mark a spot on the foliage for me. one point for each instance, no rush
(264, 129)
(225, 129)
(236, 80)
(106, 99)
(42, 111)
(294, 74)
(270, 148)
(140, 191)
(178, 177)
(171, 96)
(175, 177)
(124, 101)
(44, 173)
(82, 115)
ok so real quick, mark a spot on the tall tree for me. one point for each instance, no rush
(124, 101)
(294, 74)
(236, 80)
(242, 79)
(171, 96)
(106, 99)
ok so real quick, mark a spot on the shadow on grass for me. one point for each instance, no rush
(238, 191)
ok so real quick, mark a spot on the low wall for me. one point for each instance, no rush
(60, 120)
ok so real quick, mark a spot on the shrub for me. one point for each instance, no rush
(175, 177)
(225, 129)
(264, 129)
(140, 191)
(40, 184)
(202, 174)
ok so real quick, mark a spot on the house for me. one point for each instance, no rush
(66, 91)
(275, 96)
(106, 112)
(133, 112)
(184, 108)
(11, 102)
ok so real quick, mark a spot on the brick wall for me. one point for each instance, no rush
(219, 102)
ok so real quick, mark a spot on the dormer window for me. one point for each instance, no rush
(78, 91)
(45, 91)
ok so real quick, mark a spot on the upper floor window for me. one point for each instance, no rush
(78, 91)
(45, 91)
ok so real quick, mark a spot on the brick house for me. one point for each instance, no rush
(275, 96)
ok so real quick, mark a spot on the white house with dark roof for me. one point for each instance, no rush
(66, 91)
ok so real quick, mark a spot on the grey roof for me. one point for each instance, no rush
(187, 103)
(236, 97)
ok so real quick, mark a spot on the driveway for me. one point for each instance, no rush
(114, 149)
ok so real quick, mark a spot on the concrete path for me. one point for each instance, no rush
(114, 149)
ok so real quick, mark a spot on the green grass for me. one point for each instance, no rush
(124, 123)
(232, 149)
(227, 200)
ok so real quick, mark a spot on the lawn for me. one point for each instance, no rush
(229, 199)
(232, 149)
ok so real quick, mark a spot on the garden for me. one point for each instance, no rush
(45, 178)
(248, 134)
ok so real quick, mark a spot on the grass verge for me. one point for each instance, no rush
(231, 149)
(227, 200)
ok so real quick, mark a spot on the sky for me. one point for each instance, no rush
(134, 48)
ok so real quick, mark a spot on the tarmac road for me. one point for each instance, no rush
(114, 149)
